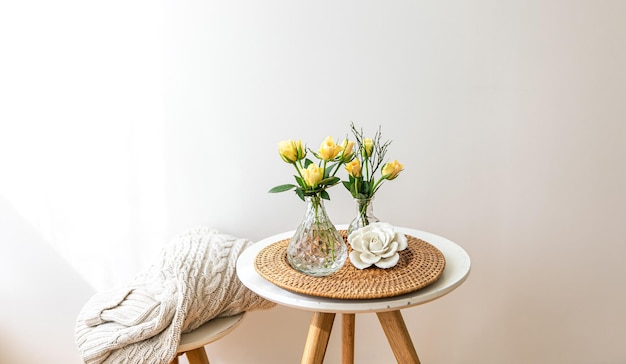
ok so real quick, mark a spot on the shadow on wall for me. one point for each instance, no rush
(40, 294)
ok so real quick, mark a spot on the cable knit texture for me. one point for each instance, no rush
(193, 281)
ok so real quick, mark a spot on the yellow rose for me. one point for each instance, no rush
(392, 169)
(291, 150)
(347, 154)
(328, 149)
(312, 175)
(354, 168)
(368, 147)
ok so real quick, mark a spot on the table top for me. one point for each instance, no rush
(455, 273)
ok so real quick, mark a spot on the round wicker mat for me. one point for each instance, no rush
(420, 265)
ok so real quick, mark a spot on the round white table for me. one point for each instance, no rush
(388, 309)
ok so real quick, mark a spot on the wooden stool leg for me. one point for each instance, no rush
(398, 337)
(197, 356)
(175, 360)
(317, 338)
(347, 339)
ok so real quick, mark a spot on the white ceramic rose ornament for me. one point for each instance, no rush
(376, 244)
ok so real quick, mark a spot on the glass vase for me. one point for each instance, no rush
(364, 214)
(317, 248)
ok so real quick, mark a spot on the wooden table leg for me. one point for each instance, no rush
(398, 337)
(317, 338)
(197, 356)
(347, 338)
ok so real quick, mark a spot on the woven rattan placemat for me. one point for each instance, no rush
(420, 264)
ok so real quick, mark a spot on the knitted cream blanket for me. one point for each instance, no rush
(193, 281)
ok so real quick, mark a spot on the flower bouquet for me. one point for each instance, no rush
(362, 168)
(316, 248)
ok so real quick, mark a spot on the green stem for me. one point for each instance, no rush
(363, 211)
(336, 169)
(377, 185)
(325, 234)
(298, 166)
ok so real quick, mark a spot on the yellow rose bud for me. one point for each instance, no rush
(312, 175)
(354, 168)
(347, 154)
(291, 150)
(392, 169)
(368, 147)
(328, 149)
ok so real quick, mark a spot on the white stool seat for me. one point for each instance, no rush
(209, 332)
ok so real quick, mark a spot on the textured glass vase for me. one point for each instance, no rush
(364, 214)
(317, 248)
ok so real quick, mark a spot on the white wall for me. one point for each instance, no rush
(508, 117)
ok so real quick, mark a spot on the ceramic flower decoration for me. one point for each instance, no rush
(376, 244)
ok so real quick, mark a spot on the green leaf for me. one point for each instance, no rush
(307, 162)
(347, 185)
(331, 181)
(329, 169)
(367, 187)
(282, 188)
(300, 193)
(324, 194)
(300, 181)
(315, 153)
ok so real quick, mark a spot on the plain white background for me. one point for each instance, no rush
(127, 122)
